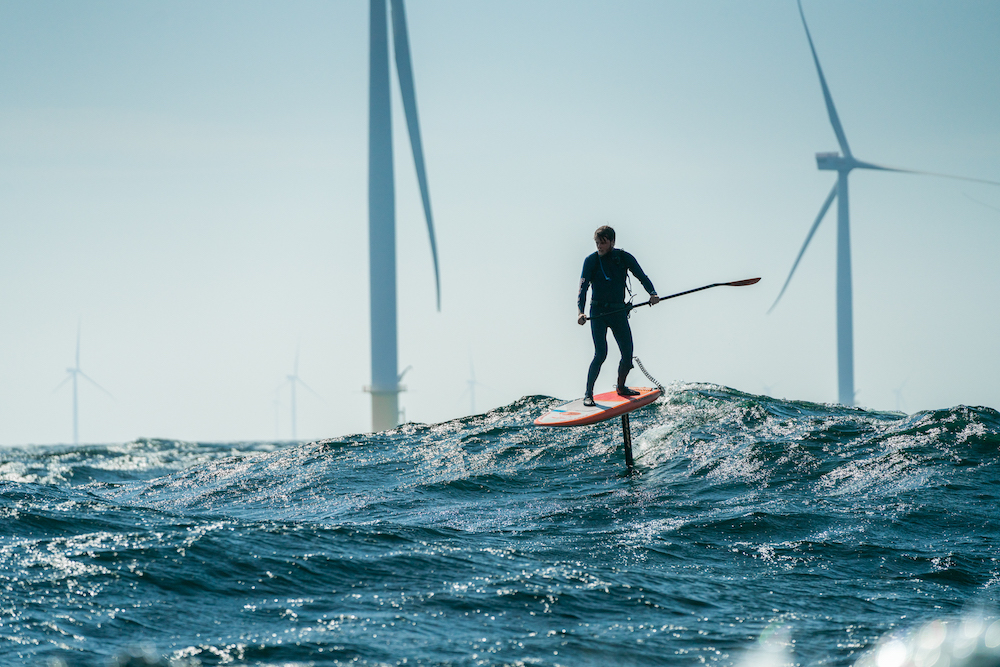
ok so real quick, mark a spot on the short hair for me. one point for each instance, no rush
(605, 232)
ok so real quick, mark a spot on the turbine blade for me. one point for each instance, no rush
(65, 380)
(310, 389)
(878, 167)
(981, 203)
(832, 110)
(404, 70)
(91, 381)
(812, 230)
(78, 325)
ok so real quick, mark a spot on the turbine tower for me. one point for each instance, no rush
(75, 373)
(385, 386)
(843, 163)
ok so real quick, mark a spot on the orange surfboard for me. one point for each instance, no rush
(608, 405)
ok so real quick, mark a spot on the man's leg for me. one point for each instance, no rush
(599, 331)
(623, 336)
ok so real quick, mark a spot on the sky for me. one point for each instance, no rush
(186, 182)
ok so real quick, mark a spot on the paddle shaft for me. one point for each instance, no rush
(735, 283)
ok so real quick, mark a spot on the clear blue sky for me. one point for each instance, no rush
(188, 180)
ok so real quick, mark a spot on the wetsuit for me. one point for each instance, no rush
(607, 277)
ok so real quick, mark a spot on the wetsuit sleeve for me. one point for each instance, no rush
(581, 297)
(633, 266)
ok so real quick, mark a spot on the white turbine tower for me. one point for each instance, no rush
(75, 373)
(843, 163)
(385, 386)
(295, 380)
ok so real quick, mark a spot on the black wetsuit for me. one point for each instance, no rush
(607, 277)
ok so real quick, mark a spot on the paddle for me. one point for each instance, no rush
(735, 283)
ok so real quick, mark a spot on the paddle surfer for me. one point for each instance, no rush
(606, 271)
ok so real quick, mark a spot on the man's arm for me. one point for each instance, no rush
(633, 265)
(581, 297)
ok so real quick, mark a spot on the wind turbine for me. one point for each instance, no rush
(385, 385)
(74, 373)
(471, 384)
(898, 391)
(843, 163)
(295, 380)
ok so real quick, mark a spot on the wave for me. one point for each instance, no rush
(742, 511)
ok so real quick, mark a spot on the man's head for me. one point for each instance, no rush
(604, 237)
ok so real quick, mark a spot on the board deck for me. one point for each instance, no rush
(608, 405)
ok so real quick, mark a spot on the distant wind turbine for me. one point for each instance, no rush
(385, 386)
(471, 384)
(295, 380)
(842, 163)
(74, 373)
(898, 391)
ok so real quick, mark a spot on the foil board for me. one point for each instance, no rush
(608, 406)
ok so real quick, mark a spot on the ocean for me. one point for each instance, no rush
(752, 531)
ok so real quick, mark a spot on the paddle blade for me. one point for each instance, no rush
(743, 283)
(404, 69)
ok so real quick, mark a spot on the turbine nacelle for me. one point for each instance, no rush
(834, 161)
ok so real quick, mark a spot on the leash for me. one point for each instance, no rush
(649, 377)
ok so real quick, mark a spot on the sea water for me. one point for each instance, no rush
(751, 531)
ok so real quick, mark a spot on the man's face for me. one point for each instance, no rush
(604, 245)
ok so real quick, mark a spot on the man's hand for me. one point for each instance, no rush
(581, 320)
(653, 300)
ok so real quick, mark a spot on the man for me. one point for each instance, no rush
(606, 271)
